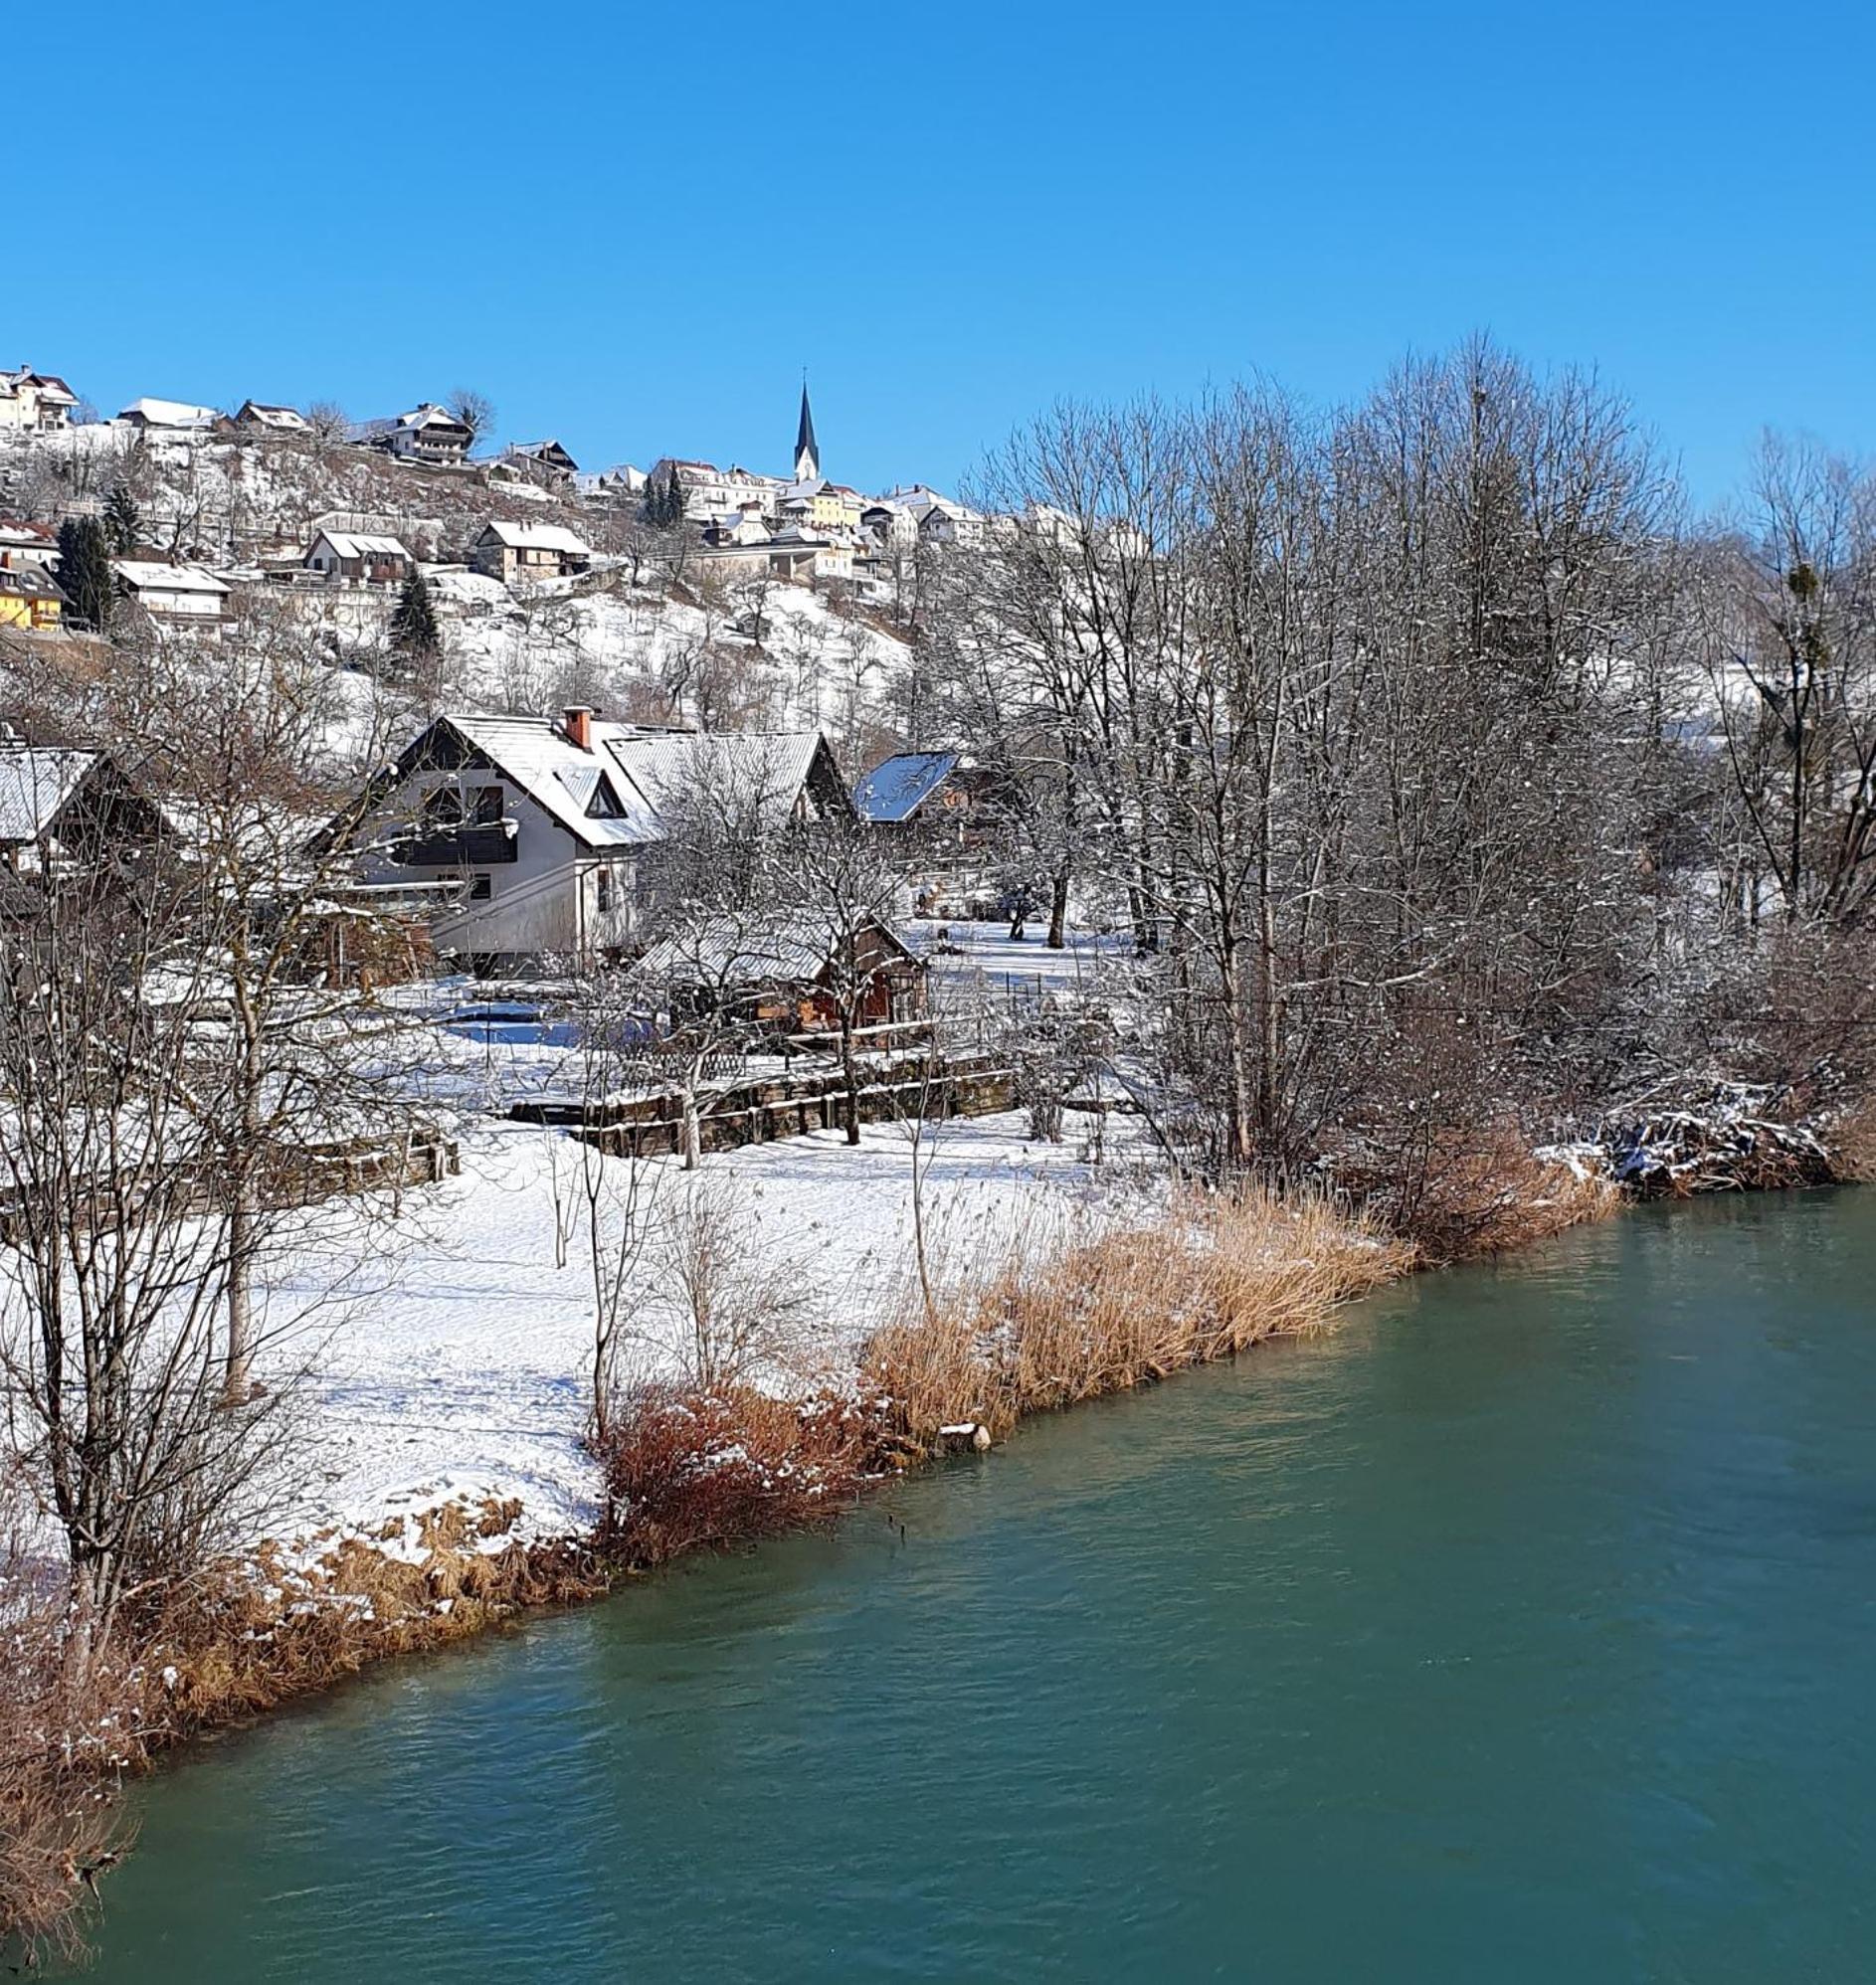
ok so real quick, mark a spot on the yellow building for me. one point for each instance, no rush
(29, 600)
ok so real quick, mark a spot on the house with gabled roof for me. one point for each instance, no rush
(426, 434)
(545, 824)
(256, 416)
(508, 551)
(368, 557)
(62, 804)
(943, 814)
(35, 402)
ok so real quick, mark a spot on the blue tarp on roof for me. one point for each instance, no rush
(896, 790)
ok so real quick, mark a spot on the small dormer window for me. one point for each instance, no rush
(604, 805)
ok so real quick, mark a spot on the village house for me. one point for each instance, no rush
(256, 418)
(777, 978)
(542, 823)
(169, 416)
(35, 402)
(821, 505)
(427, 434)
(938, 519)
(509, 551)
(177, 594)
(544, 462)
(30, 600)
(943, 814)
(26, 545)
(60, 805)
(361, 556)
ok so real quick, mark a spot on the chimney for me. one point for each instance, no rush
(579, 725)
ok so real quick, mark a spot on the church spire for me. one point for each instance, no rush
(807, 450)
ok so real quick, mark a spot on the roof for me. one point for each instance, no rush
(169, 414)
(560, 778)
(28, 582)
(769, 768)
(536, 537)
(896, 789)
(142, 574)
(547, 451)
(728, 951)
(429, 415)
(287, 418)
(805, 432)
(32, 536)
(50, 385)
(35, 786)
(360, 544)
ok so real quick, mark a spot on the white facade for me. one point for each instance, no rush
(34, 401)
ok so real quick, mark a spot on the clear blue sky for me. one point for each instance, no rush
(632, 225)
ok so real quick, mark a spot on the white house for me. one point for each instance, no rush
(937, 519)
(175, 416)
(426, 434)
(27, 544)
(509, 551)
(183, 595)
(35, 402)
(361, 555)
(543, 823)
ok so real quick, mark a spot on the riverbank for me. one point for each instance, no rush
(1075, 1299)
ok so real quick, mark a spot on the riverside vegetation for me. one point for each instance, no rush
(1461, 795)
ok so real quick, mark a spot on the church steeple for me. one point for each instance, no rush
(807, 452)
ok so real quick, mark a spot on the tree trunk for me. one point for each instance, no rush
(850, 1071)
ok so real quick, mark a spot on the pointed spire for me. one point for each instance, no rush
(806, 449)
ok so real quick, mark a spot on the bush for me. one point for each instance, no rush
(691, 1471)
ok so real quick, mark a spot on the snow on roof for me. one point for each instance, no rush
(766, 768)
(729, 952)
(35, 784)
(289, 419)
(169, 414)
(50, 386)
(35, 536)
(361, 544)
(28, 583)
(536, 537)
(895, 790)
(562, 778)
(142, 574)
(429, 415)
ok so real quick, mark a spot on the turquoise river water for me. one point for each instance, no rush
(1523, 1631)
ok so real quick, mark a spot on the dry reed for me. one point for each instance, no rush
(1043, 1320)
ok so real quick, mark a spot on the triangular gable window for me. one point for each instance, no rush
(604, 805)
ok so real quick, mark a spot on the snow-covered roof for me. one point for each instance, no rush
(539, 757)
(288, 420)
(28, 582)
(729, 951)
(895, 790)
(34, 786)
(149, 575)
(768, 768)
(169, 414)
(27, 536)
(429, 415)
(50, 386)
(361, 544)
(537, 537)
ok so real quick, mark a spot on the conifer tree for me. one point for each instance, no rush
(85, 571)
(124, 521)
(414, 628)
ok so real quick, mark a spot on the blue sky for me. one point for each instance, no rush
(633, 225)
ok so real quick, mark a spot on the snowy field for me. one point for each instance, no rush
(456, 1359)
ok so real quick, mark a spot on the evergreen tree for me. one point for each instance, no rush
(665, 503)
(85, 571)
(124, 522)
(414, 628)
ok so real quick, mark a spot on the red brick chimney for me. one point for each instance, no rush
(579, 725)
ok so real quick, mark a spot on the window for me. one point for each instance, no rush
(442, 807)
(604, 805)
(490, 807)
(605, 897)
(482, 888)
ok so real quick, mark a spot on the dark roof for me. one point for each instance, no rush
(804, 433)
(28, 583)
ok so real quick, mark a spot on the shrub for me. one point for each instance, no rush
(693, 1471)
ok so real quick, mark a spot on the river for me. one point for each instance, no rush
(1524, 1629)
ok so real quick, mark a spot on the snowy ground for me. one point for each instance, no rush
(459, 1363)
